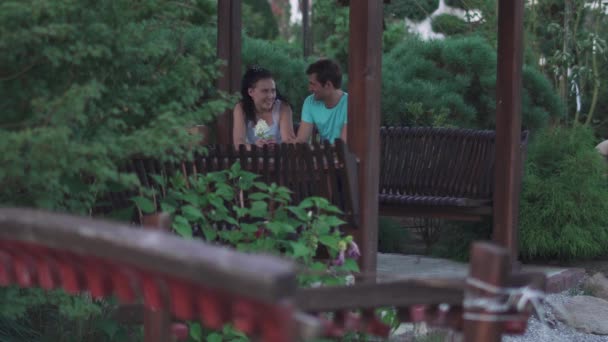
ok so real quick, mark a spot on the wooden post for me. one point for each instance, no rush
(365, 80)
(491, 265)
(228, 50)
(508, 124)
(157, 323)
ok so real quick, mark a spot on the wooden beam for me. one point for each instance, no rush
(229, 50)
(365, 80)
(508, 124)
(400, 293)
(260, 277)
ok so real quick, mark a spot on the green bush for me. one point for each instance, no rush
(391, 236)
(258, 19)
(86, 84)
(413, 10)
(91, 83)
(464, 4)
(233, 208)
(453, 82)
(449, 25)
(565, 196)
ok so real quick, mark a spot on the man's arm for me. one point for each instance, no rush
(304, 132)
(343, 133)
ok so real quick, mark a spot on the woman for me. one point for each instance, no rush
(262, 116)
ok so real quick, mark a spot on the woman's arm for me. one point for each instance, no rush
(238, 125)
(286, 124)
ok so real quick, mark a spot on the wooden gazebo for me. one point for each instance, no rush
(365, 74)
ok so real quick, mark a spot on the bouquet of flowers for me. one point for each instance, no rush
(262, 130)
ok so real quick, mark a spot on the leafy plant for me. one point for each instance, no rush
(454, 81)
(565, 196)
(233, 208)
(413, 10)
(86, 84)
(449, 25)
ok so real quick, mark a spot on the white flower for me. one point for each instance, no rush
(261, 129)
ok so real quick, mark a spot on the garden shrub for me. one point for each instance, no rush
(449, 25)
(258, 19)
(453, 81)
(413, 10)
(391, 236)
(87, 84)
(565, 196)
(464, 4)
(232, 208)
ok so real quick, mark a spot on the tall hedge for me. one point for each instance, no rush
(454, 81)
(87, 83)
(565, 196)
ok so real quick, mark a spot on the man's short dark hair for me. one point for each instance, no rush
(326, 70)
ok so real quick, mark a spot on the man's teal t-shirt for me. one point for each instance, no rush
(329, 121)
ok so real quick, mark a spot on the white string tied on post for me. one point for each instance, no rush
(495, 309)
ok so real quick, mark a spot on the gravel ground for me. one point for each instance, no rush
(551, 331)
(558, 332)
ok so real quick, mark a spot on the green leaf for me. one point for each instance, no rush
(191, 198)
(182, 227)
(329, 241)
(210, 234)
(278, 227)
(258, 196)
(350, 265)
(191, 213)
(196, 332)
(144, 204)
(214, 337)
(259, 209)
(300, 213)
(167, 207)
(300, 250)
(249, 228)
(160, 180)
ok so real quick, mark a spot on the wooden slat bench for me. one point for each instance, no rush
(190, 279)
(324, 170)
(438, 172)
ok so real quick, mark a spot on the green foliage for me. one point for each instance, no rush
(258, 19)
(38, 315)
(286, 64)
(464, 4)
(391, 236)
(233, 208)
(565, 196)
(330, 31)
(86, 84)
(415, 10)
(449, 25)
(453, 82)
(455, 243)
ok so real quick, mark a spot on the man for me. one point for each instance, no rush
(326, 108)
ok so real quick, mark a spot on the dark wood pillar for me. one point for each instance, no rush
(508, 124)
(364, 83)
(228, 50)
(489, 266)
